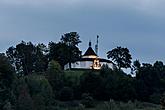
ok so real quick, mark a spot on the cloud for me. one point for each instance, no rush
(151, 7)
(136, 24)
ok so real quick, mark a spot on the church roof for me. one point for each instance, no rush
(91, 59)
(90, 51)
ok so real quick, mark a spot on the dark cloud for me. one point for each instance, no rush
(138, 25)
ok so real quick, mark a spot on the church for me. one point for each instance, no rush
(90, 60)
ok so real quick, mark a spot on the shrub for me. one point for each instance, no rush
(162, 101)
(111, 105)
(87, 100)
(66, 94)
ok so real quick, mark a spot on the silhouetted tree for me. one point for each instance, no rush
(121, 57)
(55, 76)
(7, 79)
(90, 83)
(40, 91)
(25, 101)
(72, 40)
(28, 58)
(135, 67)
(66, 51)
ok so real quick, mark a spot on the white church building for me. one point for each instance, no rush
(90, 60)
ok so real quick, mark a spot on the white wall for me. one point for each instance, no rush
(85, 65)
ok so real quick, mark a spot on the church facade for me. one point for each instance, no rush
(90, 60)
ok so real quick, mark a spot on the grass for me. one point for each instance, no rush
(125, 106)
(112, 105)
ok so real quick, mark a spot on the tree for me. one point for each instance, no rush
(66, 51)
(66, 94)
(150, 83)
(121, 57)
(7, 79)
(59, 52)
(55, 76)
(25, 101)
(41, 58)
(90, 83)
(135, 67)
(28, 58)
(71, 39)
(40, 91)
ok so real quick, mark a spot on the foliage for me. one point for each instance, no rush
(149, 79)
(118, 86)
(55, 77)
(41, 91)
(87, 100)
(71, 39)
(7, 79)
(28, 58)
(162, 101)
(66, 94)
(90, 83)
(44, 82)
(121, 57)
(25, 101)
(135, 67)
(66, 51)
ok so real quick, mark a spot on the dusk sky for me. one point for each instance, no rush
(138, 25)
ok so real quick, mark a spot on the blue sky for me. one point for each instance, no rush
(138, 25)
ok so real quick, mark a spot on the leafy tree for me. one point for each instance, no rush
(59, 52)
(162, 101)
(66, 51)
(72, 40)
(27, 58)
(7, 79)
(135, 67)
(150, 81)
(87, 100)
(55, 76)
(90, 83)
(66, 94)
(105, 71)
(41, 58)
(40, 91)
(25, 101)
(121, 57)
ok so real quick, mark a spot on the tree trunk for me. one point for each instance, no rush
(70, 66)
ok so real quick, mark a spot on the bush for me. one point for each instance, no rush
(111, 105)
(87, 100)
(162, 101)
(90, 82)
(66, 94)
(155, 98)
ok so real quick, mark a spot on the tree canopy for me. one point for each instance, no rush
(121, 57)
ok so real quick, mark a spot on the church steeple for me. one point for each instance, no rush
(90, 44)
(90, 51)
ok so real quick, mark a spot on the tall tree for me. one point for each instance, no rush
(27, 58)
(121, 56)
(55, 76)
(66, 51)
(72, 40)
(58, 52)
(41, 58)
(135, 67)
(7, 79)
